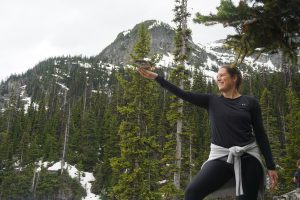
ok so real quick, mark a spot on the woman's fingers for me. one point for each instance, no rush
(142, 72)
(147, 74)
(274, 178)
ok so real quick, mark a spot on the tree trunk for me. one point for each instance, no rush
(178, 145)
(190, 174)
(84, 98)
(66, 137)
(250, 86)
(183, 52)
(283, 125)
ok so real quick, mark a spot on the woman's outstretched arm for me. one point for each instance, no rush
(194, 98)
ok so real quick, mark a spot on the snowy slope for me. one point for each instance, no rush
(86, 178)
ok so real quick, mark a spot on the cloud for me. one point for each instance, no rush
(34, 30)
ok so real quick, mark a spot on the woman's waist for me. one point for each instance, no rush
(217, 151)
(244, 156)
(227, 143)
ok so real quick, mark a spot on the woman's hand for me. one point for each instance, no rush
(273, 178)
(147, 74)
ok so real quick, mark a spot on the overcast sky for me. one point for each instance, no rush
(34, 30)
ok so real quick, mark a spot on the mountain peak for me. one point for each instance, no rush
(118, 52)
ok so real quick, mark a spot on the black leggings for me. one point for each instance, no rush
(215, 173)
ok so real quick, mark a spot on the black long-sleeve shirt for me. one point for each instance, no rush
(234, 122)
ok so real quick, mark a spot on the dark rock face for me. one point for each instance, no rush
(118, 52)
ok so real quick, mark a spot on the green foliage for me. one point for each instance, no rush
(123, 127)
(128, 157)
(51, 182)
(15, 184)
(136, 167)
(105, 178)
(270, 121)
(199, 125)
(142, 46)
(176, 154)
(264, 27)
(168, 190)
(183, 33)
(292, 139)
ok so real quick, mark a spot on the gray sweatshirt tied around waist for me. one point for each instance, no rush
(234, 157)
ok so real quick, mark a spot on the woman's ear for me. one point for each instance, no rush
(235, 78)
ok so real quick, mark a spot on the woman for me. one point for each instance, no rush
(237, 138)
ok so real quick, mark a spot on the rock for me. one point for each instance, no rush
(293, 195)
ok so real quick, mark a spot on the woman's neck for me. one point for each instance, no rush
(231, 94)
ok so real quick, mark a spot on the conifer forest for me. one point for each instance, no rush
(138, 140)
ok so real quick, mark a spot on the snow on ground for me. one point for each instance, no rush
(210, 75)
(22, 90)
(57, 76)
(162, 182)
(211, 63)
(110, 67)
(126, 32)
(166, 61)
(84, 65)
(63, 86)
(26, 100)
(85, 178)
(107, 66)
(225, 57)
(96, 91)
(40, 165)
(27, 103)
(155, 24)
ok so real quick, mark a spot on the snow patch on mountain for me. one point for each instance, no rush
(226, 56)
(211, 63)
(85, 65)
(222, 56)
(85, 178)
(25, 99)
(63, 86)
(125, 33)
(158, 24)
(57, 76)
(167, 60)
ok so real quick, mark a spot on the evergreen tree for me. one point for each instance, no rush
(24, 148)
(261, 26)
(6, 150)
(270, 122)
(123, 127)
(175, 114)
(292, 138)
(48, 134)
(84, 130)
(105, 178)
(200, 125)
(109, 139)
(135, 168)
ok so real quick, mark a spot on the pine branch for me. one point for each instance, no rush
(242, 22)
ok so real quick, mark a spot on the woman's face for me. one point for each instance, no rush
(224, 81)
